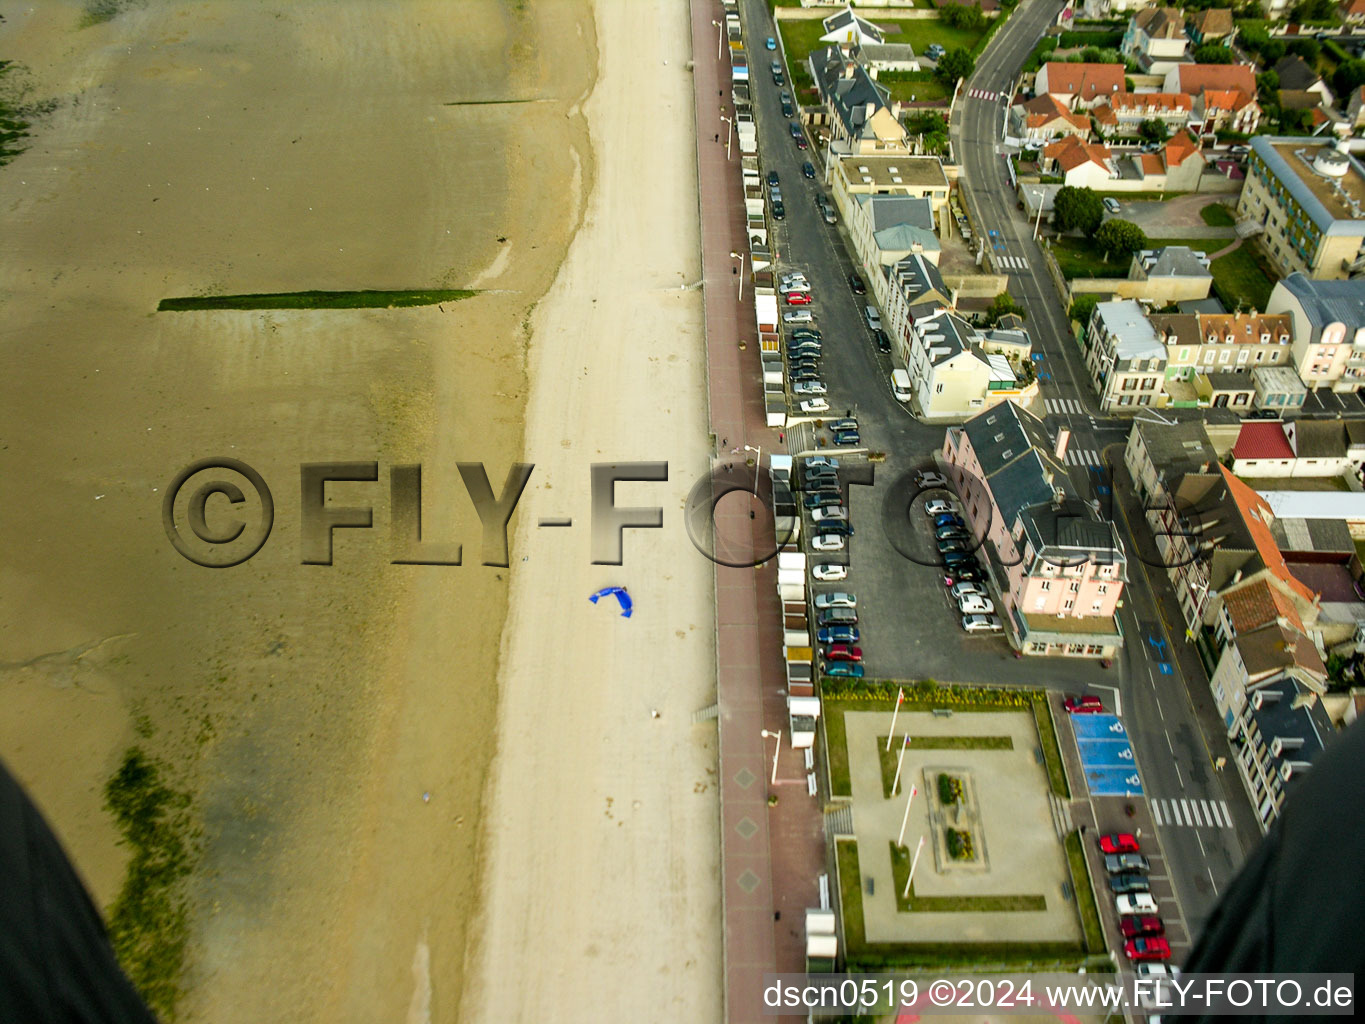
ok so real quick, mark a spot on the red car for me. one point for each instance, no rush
(798, 298)
(1137, 927)
(1147, 949)
(1119, 842)
(1087, 704)
(843, 652)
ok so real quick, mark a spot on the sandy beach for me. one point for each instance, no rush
(226, 147)
(602, 855)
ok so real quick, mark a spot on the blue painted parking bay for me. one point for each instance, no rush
(1106, 755)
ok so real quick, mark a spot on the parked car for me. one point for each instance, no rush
(961, 590)
(826, 209)
(937, 507)
(836, 526)
(779, 210)
(778, 77)
(1117, 863)
(981, 624)
(949, 519)
(883, 342)
(1118, 842)
(1159, 970)
(847, 669)
(1111, 204)
(770, 43)
(934, 51)
(804, 347)
(829, 514)
(872, 316)
(829, 572)
(959, 561)
(826, 473)
(787, 108)
(798, 298)
(1135, 903)
(801, 142)
(843, 424)
(837, 635)
(821, 498)
(1126, 882)
(847, 437)
(1154, 948)
(773, 179)
(951, 532)
(856, 282)
(795, 129)
(953, 547)
(814, 405)
(837, 617)
(807, 168)
(791, 275)
(1086, 704)
(806, 333)
(843, 652)
(828, 542)
(814, 462)
(799, 284)
(836, 600)
(928, 479)
(964, 574)
(798, 316)
(975, 604)
(1138, 926)
(804, 376)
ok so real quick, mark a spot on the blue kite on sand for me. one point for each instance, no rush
(626, 603)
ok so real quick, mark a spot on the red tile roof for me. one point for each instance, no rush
(1262, 441)
(1181, 147)
(1195, 78)
(1071, 153)
(1086, 81)
(1258, 516)
(1258, 604)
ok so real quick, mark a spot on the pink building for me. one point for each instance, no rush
(1059, 567)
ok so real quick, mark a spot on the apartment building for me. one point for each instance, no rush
(1125, 357)
(1328, 329)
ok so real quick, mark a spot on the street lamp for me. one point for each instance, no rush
(758, 463)
(720, 37)
(776, 750)
(729, 131)
(740, 256)
(1038, 223)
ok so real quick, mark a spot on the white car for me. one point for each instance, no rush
(1135, 903)
(830, 572)
(814, 405)
(791, 275)
(821, 460)
(961, 590)
(836, 600)
(798, 316)
(810, 387)
(975, 604)
(828, 512)
(796, 284)
(984, 624)
(828, 542)
(931, 480)
(938, 507)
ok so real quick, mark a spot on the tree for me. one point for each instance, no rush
(956, 14)
(1213, 53)
(1349, 75)
(1268, 86)
(1309, 49)
(1313, 10)
(1082, 309)
(953, 65)
(1120, 238)
(1077, 209)
(1153, 130)
(1272, 51)
(1000, 305)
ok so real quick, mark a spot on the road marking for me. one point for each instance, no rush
(982, 94)
(1082, 457)
(1063, 407)
(1156, 812)
(1208, 814)
(1194, 812)
(1211, 881)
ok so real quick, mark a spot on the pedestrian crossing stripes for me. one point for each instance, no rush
(983, 94)
(1064, 407)
(1012, 262)
(1192, 813)
(1082, 457)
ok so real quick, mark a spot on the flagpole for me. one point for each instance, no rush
(906, 895)
(900, 839)
(900, 694)
(899, 761)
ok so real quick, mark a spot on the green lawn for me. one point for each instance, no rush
(1081, 257)
(914, 86)
(900, 870)
(315, 300)
(889, 757)
(1239, 278)
(1084, 896)
(1216, 215)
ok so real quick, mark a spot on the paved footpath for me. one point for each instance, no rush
(770, 857)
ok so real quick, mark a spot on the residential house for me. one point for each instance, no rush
(1160, 451)
(1225, 389)
(1081, 164)
(952, 374)
(1352, 11)
(879, 57)
(1355, 103)
(1297, 76)
(887, 229)
(1224, 96)
(1155, 39)
(1102, 10)
(919, 177)
(1059, 567)
(913, 289)
(861, 118)
(1308, 198)
(1045, 118)
(1214, 25)
(1079, 86)
(1262, 450)
(847, 27)
(1173, 273)
(1125, 357)
(1329, 329)
(1212, 343)
(1121, 115)
(1278, 389)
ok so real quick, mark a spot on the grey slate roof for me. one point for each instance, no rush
(1015, 452)
(1295, 74)
(906, 237)
(1176, 261)
(1263, 146)
(1328, 302)
(1209, 305)
(1299, 535)
(1070, 532)
(1280, 718)
(887, 211)
(917, 277)
(845, 18)
(1319, 439)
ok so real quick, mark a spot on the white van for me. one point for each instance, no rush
(900, 385)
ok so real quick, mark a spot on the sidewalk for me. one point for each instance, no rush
(769, 856)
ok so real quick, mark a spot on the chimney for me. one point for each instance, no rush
(1063, 439)
(1305, 699)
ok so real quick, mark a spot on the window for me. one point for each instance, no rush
(1074, 586)
(1125, 400)
(1129, 383)
(1103, 589)
(1095, 608)
(1145, 400)
(1045, 585)
(1068, 604)
(1148, 383)
(1094, 649)
(1036, 647)
(938, 389)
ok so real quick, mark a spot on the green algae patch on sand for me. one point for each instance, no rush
(316, 300)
